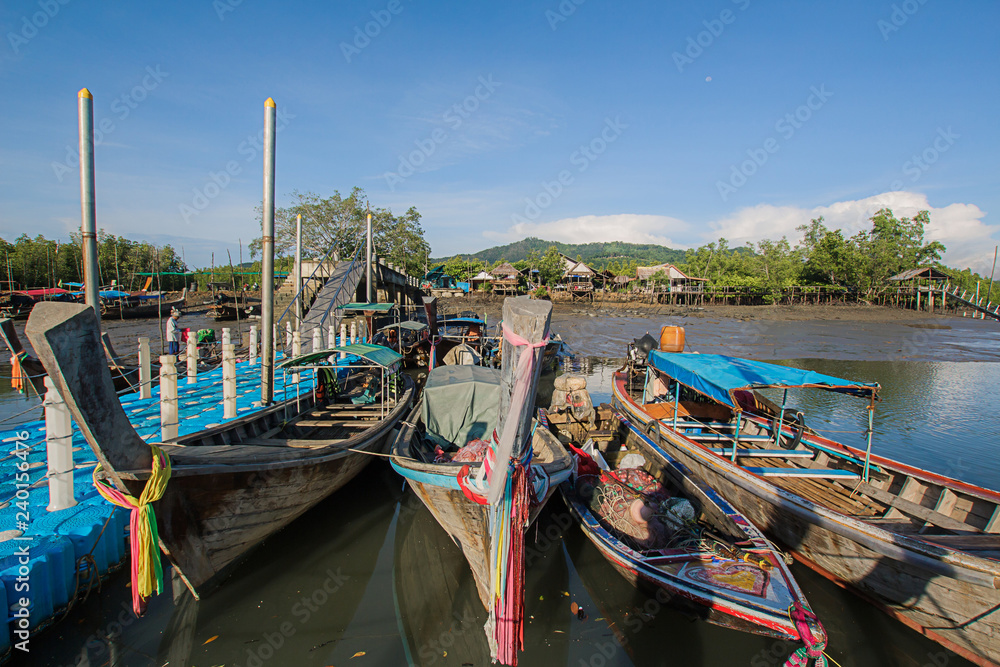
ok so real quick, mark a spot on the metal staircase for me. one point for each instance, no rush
(321, 298)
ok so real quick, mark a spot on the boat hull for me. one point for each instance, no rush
(944, 595)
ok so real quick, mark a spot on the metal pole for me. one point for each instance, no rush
(677, 402)
(868, 450)
(989, 290)
(298, 272)
(88, 209)
(781, 417)
(736, 439)
(267, 265)
(368, 260)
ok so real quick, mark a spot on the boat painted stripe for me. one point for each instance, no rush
(443, 481)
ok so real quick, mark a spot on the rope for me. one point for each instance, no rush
(7, 419)
(146, 567)
(814, 650)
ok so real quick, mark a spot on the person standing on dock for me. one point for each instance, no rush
(173, 333)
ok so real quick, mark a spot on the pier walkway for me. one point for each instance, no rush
(59, 544)
(970, 302)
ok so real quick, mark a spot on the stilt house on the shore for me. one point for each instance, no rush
(506, 280)
(915, 285)
(678, 284)
(578, 277)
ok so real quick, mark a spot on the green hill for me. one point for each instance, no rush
(597, 254)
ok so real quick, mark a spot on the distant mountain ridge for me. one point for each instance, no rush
(646, 254)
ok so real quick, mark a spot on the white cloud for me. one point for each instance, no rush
(628, 227)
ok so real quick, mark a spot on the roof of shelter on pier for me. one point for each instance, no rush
(920, 273)
(671, 271)
(573, 267)
(505, 270)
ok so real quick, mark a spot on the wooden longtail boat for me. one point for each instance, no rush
(715, 564)
(137, 306)
(923, 547)
(235, 484)
(126, 378)
(461, 403)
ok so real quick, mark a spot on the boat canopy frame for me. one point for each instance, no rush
(718, 377)
(386, 360)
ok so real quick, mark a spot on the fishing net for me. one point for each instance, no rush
(636, 508)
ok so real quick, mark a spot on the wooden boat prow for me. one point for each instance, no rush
(67, 339)
(231, 485)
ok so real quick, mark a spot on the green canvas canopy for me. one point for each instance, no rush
(376, 354)
(460, 403)
(371, 307)
(409, 325)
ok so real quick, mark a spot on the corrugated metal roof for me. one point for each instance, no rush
(926, 272)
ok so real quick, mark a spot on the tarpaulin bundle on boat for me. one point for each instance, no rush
(460, 403)
(718, 376)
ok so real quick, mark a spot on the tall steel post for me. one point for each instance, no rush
(368, 260)
(88, 207)
(267, 264)
(299, 306)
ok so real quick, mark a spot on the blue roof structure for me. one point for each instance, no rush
(718, 376)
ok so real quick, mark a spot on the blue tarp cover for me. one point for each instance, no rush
(112, 294)
(718, 376)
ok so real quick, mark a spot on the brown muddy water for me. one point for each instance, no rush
(368, 578)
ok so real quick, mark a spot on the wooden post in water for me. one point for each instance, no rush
(192, 359)
(296, 351)
(59, 449)
(253, 344)
(145, 369)
(267, 262)
(88, 207)
(228, 381)
(168, 397)
(354, 332)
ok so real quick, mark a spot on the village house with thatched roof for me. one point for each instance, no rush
(506, 279)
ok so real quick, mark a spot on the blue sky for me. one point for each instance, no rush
(580, 120)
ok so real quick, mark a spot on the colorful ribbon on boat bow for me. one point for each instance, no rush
(805, 621)
(146, 566)
(509, 496)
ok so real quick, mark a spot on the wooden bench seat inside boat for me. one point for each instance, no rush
(694, 409)
(815, 473)
(916, 510)
(724, 437)
(984, 546)
(766, 453)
